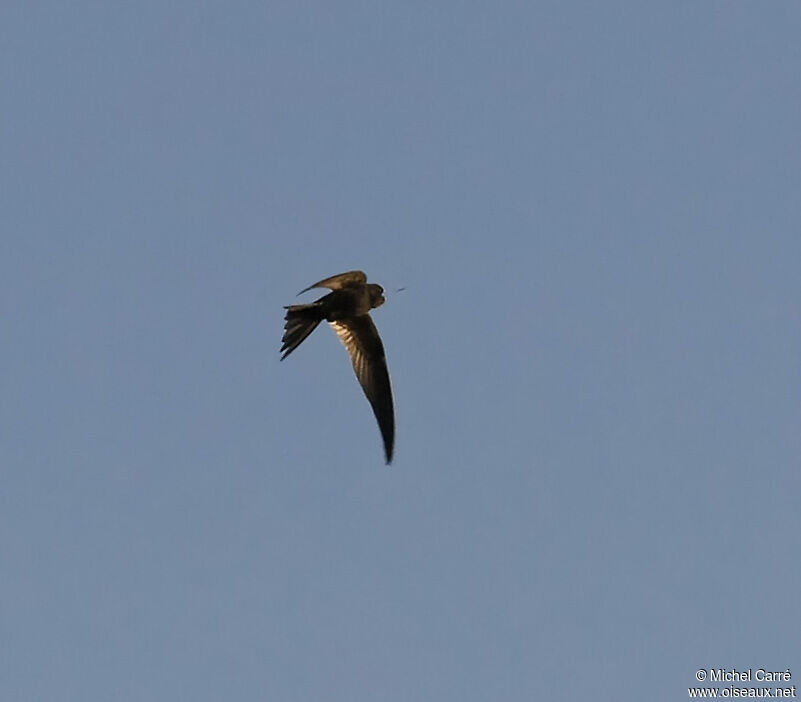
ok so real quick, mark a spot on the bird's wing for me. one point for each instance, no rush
(337, 282)
(363, 343)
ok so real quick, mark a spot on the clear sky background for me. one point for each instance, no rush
(595, 209)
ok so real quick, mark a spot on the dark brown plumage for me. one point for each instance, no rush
(347, 309)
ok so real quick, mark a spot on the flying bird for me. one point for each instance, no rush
(347, 309)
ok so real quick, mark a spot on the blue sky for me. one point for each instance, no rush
(595, 209)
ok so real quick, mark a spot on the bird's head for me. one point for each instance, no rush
(376, 293)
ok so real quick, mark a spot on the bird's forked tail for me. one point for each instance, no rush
(300, 321)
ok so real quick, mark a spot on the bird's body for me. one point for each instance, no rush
(349, 302)
(347, 309)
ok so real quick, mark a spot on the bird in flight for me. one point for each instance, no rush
(347, 309)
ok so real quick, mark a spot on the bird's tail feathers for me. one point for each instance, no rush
(301, 320)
